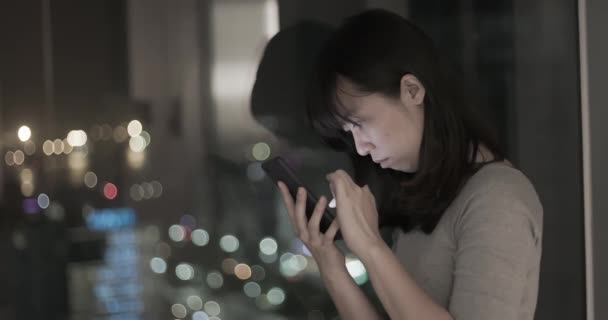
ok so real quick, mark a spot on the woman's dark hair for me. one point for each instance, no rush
(374, 50)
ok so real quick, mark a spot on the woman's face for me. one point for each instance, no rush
(388, 129)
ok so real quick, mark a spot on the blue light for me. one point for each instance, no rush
(111, 219)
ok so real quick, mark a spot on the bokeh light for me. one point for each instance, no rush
(19, 157)
(24, 133)
(229, 243)
(110, 191)
(144, 134)
(292, 264)
(177, 233)
(77, 138)
(157, 188)
(43, 201)
(215, 280)
(134, 128)
(179, 311)
(212, 308)
(184, 271)
(260, 151)
(48, 147)
(26, 175)
(137, 144)
(275, 296)
(27, 189)
(90, 179)
(268, 246)
(200, 315)
(194, 302)
(148, 190)
(252, 289)
(242, 271)
(9, 158)
(200, 237)
(58, 146)
(158, 265)
(67, 148)
(136, 192)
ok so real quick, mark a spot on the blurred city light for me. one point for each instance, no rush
(260, 151)
(90, 179)
(48, 147)
(110, 191)
(19, 157)
(200, 315)
(179, 311)
(158, 265)
(184, 271)
(43, 201)
(24, 133)
(177, 233)
(268, 246)
(134, 128)
(229, 243)
(58, 146)
(242, 271)
(200, 237)
(194, 303)
(215, 280)
(137, 144)
(212, 308)
(275, 296)
(252, 289)
(77, 138)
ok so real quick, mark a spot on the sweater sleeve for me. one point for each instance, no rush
(498, 244)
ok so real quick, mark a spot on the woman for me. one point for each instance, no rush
(469, 225)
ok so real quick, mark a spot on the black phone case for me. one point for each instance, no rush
(278, 169)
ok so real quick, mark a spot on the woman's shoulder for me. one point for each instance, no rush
(498, 178)
(497, 192)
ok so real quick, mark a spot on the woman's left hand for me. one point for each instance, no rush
(356, 213)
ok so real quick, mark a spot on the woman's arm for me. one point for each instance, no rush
(400, 295)
(348, 297)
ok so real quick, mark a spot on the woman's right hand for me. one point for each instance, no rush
(320, 245)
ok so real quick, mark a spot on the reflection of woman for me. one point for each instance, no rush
(468, 243)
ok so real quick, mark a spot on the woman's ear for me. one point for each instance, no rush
(412, 90)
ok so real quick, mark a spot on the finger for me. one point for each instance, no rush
(331, 232)
(317, 214)
(287, 199)
(300, 214)
(337, 186)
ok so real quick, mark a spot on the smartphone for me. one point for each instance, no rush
(278, 169)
